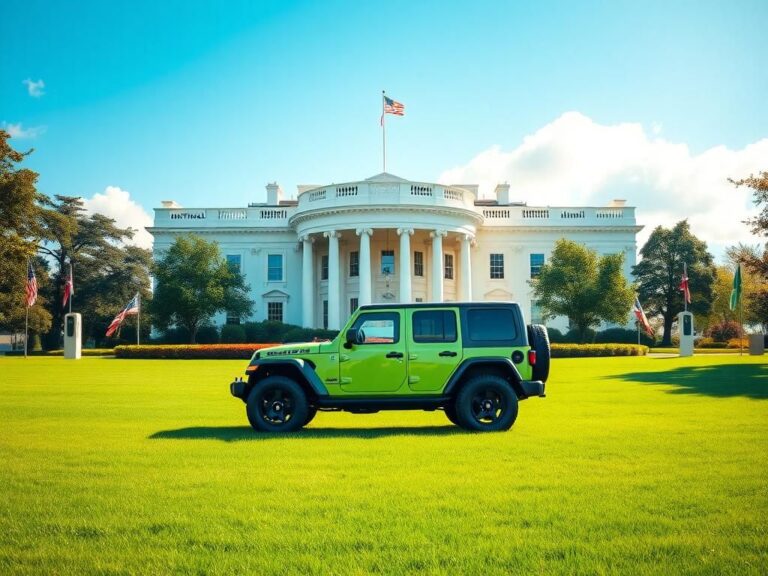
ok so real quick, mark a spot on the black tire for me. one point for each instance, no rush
(486, 403)
(450, 412)
(539, 341)
(311, 413)
(277, 404)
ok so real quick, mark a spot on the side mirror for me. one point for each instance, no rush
(351, 338)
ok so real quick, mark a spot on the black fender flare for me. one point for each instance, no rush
(304, 368)
(508, 367)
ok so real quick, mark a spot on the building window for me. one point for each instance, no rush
(419, 299)
(353, 305)
(275, 311)
(324, 267)
(235, 262)
(354, 264)
(434, 326)
(448, 260)
(275, 268)
(387, 261)
(537, 316)
(418, 263)
(537, 261)
(325, 314)
(233, 318)
(497, 265)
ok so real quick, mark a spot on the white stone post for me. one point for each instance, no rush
(437, 264)
(334, 289)
(466, 267)
(308, 283)
(405, 264)
(364, 297)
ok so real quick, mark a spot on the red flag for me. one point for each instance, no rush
(69, 288)
(642, 318)
(391, 107)
(131, 308)
(684, 285)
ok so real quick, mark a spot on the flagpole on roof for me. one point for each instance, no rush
(383, 136)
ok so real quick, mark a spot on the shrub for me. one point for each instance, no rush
(708, 343)
(555, 335)
(178, 335)
(622, 336)
(724, 331)
(573, 337)
(207, 335)
(738, 343)
(232, 334)
(589, 350)
(190, 351)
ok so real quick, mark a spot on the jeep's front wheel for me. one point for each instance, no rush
(277, 404)
(486, 403)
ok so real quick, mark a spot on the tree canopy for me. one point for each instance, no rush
(660, 272)
(194, 282)
(587, 288)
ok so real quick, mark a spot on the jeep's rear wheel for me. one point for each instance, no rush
(277, 404)
(486, 403)
(538, 338)
(450, 412)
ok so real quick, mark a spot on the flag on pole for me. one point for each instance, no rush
(131, 308)
(69, 288)
(684, 285)
(642, 318)
(31, 286)
(391, 107)
(736, 292)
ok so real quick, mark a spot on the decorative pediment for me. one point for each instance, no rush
(385, 177)
(498, 294)
(276, 295)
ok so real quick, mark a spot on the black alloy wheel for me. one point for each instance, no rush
(486, 403)
(277, 404)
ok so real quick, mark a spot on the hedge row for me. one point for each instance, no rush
(190, 351)
(584, 350)
(83, 352)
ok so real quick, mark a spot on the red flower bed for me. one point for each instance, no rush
(190, 351)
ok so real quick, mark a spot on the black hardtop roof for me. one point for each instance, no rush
(439, 305)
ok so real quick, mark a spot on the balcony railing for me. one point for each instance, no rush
(257, 216)
(395, 193)
(554, 216)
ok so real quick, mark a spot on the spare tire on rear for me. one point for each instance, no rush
(538, 339)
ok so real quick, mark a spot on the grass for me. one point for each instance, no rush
(630, 465)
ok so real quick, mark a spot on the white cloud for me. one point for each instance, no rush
(574, 161)
(116, 203)
(18, 131)
(35, 88)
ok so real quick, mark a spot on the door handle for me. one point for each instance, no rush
(447, 353)
(395, 355)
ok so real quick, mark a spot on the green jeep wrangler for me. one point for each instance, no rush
(473, 360)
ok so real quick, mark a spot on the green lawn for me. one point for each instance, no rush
(630, 465)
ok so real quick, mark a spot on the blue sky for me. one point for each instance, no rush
(205, 102)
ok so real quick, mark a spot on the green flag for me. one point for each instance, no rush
(736, 292)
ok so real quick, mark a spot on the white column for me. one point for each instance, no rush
(365, 266)
(308, 284)
(405, 264)
(437, 264)
(466, 268)
(334, 289)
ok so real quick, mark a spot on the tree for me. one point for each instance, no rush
(660, 271)
(194, 282)
(759, 185)
(587, 288)
(19, 232)
(90, 243)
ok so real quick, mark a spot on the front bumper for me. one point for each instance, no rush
(533, 388)
(238, 389)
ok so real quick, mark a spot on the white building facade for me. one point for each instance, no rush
(313, 260)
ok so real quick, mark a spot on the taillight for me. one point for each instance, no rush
(532, 357)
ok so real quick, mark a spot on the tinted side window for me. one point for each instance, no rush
(434, 326)
(379, 327)
(491, 324)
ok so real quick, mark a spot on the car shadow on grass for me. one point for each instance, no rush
(236, 433)
(723, 381)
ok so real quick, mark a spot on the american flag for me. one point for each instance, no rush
(684, 285)
(31, 286)
(642, 318)
(131, 308)
(392, 107)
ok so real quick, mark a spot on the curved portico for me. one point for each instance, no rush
(383, 240)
